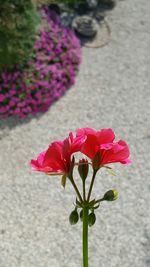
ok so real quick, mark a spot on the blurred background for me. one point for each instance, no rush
(111, 90)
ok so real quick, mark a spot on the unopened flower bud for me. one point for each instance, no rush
(83, 168)
(96, 161)
(111, 195)
(91, 219)
(74, 217)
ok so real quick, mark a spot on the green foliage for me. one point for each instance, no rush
(18, 25)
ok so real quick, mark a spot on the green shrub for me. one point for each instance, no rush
(18, 25)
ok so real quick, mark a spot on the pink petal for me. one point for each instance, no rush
(105, 136)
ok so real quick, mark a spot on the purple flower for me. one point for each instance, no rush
(2, 97)
(46, 76)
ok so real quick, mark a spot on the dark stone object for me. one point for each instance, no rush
(85, 26)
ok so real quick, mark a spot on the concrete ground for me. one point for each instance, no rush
(112, 90)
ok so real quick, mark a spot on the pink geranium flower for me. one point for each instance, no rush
(57, 158)
(102, 142)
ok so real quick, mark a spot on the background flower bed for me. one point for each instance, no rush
(47, 75)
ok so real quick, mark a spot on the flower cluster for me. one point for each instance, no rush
(47, 75)
(99, 146)
(101, 149)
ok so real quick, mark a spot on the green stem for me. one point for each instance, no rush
(85, 236)
(76, 188)
(99, 200)
(84, 194)
(91, 185)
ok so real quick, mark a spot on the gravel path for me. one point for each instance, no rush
(112, 90)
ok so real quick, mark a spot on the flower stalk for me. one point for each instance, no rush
(75, 188)
(84, 192)
(91, 185)
(85, 236)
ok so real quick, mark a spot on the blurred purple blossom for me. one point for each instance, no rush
(50, 71)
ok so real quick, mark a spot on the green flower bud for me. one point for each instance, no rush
(111, 195)
(83, 168)
(74, 217)
(81, 215)
(91, 219)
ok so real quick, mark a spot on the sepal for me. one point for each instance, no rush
(96, 161)
(63, 180)
(78, 204)
(110, 171)
(72, 166)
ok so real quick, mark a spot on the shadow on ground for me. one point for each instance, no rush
(9, 123)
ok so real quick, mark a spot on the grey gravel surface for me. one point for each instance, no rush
(112, 90)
